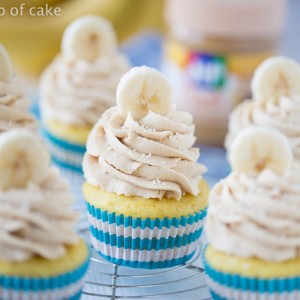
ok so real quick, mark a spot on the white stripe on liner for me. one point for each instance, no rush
(63, 293)
(143, 255)
(64, 155)
(128, 231)
(235, 294)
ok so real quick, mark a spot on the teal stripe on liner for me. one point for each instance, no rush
(35, 284)
(149, 265)
(258, 285)
(78, 148)
(144, 244)
(66, 165)
(113, 218)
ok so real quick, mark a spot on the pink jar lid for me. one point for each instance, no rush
(231, 18)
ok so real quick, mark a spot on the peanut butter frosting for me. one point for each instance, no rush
(77, 92)
(37, 221)
(283, 116)
(152, 158)
(256, 217)
(14, 108)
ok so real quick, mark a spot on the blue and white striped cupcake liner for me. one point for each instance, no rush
(63, 286)
(145, 243)
(226, 286)
(65, 154)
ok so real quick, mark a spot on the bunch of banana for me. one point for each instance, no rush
(34, 41)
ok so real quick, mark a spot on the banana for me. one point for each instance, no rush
(88, 37)
(144, 89)
(6, 71)
(274, 78)
(259, 148)
(23, 159)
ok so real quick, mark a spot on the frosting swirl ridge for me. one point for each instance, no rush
(282, 115)
(14, 108)
(256, 217)
(37, 221)
(151, 158)
(77, 92)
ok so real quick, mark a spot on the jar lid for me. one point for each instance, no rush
(228, 18)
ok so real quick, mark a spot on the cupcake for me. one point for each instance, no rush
(78, 86)
(41, 257)
(253, 222)
(13, 102)
(275, 104)
(145, 194)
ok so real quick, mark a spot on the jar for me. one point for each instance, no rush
(211, 51)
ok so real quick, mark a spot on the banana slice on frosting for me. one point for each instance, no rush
(259, 148)
(276, 77)
(6, 71)
(88, 38)
(23, 159)
(144, 89)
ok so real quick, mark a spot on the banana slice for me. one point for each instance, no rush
(6, 71)
(23, 159)
(144, 89)
(274, 78)
(88, 37)
(259, 148)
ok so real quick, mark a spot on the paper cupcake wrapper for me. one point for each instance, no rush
(224, 286)
(63, 286)
(65, 154)
(144, 243)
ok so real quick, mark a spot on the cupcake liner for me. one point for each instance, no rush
(144, 243)
(225, 286)
(65, 154)
(64, 286)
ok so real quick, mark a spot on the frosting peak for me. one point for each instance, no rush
(14, 108)
(152, 158)
(256, 217)
(37, 221)
(77, 92)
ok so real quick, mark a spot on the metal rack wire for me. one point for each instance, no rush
(109, 281)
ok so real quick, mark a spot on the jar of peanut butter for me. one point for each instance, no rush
(212, 49)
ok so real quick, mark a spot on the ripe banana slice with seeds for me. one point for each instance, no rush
(23, 159)
(274, 78)
(6, 71)
(88, 38)
(259, 148)
(144, 89)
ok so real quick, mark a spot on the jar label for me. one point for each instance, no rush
(209, 85)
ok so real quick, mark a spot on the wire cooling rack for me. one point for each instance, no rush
(105, 280)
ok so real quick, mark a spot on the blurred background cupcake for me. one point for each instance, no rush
(14, 104)
(78, 86)
(41, 257)
(253, 222)
(145, 194)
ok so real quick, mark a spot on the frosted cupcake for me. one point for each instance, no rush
(144, 190)
(275, 104)
(78, 86)
(253, 222)
(41, 257)
(13, 102)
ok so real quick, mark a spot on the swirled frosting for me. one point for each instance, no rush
(36, 221)
(77, 92)
(256, 217)
(151, 158)
(283, 116)
(14, 108)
